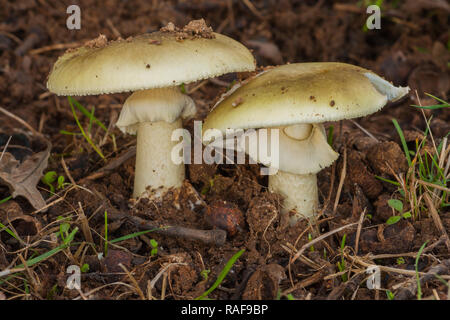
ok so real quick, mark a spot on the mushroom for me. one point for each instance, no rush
(154, 66)
(296, 99)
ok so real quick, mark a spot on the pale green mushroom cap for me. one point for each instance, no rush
(148, 61)
(302, 93)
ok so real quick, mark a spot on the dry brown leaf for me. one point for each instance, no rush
(23, 177)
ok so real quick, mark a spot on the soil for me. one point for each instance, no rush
(411, 48)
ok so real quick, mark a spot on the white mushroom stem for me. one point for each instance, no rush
(304, 151)
(153, 115)
(154, 166)
(299, 192)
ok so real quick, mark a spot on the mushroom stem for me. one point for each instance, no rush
(299, 191)
(154, 166)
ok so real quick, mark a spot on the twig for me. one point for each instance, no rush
(341, 181)
(432, 185)
(253, 9)
(113, 29)
(215, 237)
(320, 238)
(6, 147)
(364, 130)
(21, 121)
(131, 152)
(410, 290)
(388, 269)
(133, 280)
(316, 277)
(58, 46)
(358, 231)
(437, 219)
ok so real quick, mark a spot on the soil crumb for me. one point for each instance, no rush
(194, 29)
(99, 42)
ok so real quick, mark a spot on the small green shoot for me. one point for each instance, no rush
(330, 135)
(309, 240)
(205, 273)
(63, 228)
(154, 245)
(222, 275)
(400, 261)
(48, 180)
(183, 88)
(289, 296)
(389, 295)
(84, 268)
(398, 206)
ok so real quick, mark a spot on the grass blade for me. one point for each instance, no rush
(222, 275)
(82, 130)
(416, 265)
(43, 256)
(88, 114)
(402, 139)
(132, 235)
(9, 231)
(6, 199)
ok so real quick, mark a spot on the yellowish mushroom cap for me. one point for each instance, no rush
(302, 93)
(154, 60)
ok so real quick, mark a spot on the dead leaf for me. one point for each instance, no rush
(23, 177)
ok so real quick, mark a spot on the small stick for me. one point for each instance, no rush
(341, 181)
(131, 152)
(58, 46)
(215, 237)
(323, 236)
(364, 130)
(358, 231)
(437, 220)
(21, 121)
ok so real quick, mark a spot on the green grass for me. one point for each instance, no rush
(30, 262)
(73, 102)
(9, 231)
(88, 114)
(5, 199)
(222, 275)
(132, 235)
(330, 135)
(341, 264)
(423, 165)
(416, 266)
(444, 104)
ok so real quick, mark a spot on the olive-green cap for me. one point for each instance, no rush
(302, 93)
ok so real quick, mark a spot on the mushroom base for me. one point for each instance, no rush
(300, 194)
(154, 165)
